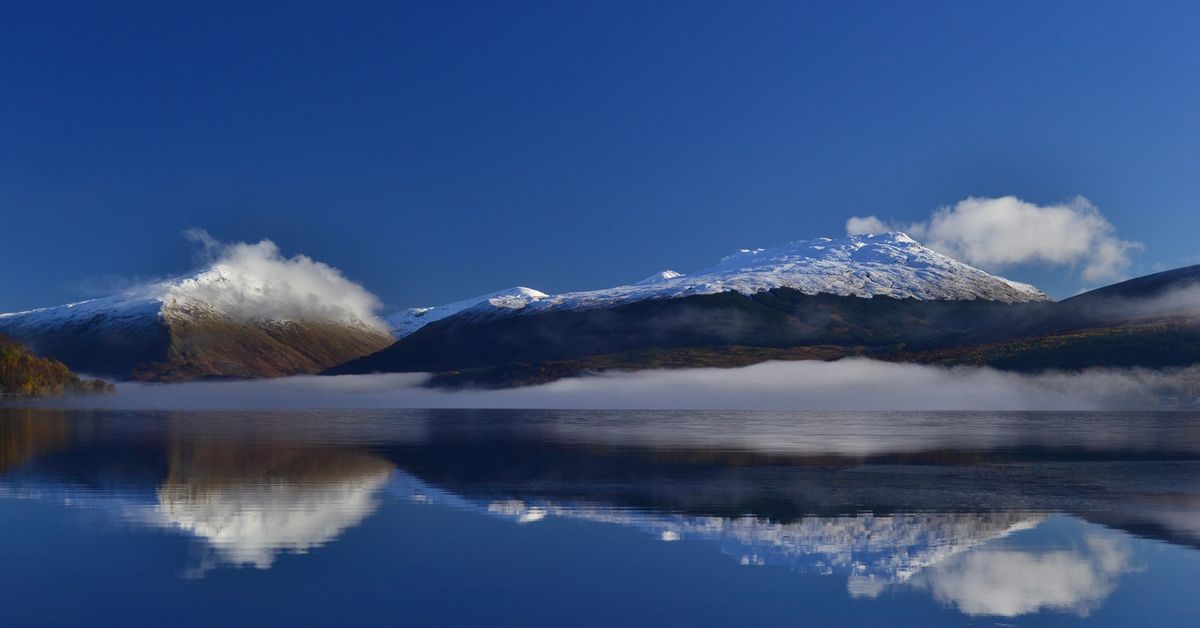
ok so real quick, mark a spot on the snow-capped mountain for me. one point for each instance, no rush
(124, 311)
(407, 321)
(887, 264)
(813, 299)
(220, 322)
(216, 291)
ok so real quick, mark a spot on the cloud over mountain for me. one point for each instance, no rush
(253, 281)
(996, 233)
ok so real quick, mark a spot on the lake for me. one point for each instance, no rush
(553, 518)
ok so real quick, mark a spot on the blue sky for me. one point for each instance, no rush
(434, 151)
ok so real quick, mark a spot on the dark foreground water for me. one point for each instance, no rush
(598, 518)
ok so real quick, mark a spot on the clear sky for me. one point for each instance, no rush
(439, 150)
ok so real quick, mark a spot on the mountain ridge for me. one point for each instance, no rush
(887, 264)
(882, 296)
(1152, 321)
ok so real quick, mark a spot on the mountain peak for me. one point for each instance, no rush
(659, 277)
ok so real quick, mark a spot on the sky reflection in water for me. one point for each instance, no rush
(595, 517)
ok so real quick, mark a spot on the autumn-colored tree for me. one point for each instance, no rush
(23, 374)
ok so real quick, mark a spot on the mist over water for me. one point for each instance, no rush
(849, 384)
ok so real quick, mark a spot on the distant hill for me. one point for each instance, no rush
(1150, 321)
(23, 374)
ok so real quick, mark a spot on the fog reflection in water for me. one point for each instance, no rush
(958, 508)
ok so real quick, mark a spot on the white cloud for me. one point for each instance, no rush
(857, 225)
(995, 233)
(256, 281)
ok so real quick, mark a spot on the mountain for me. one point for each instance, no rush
(883, 296)
(1150, 321)
(220, 322)
(23, 374)
(889, 264)
(407, 321)
(822, 298)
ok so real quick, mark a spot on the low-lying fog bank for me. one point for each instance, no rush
(850, 384)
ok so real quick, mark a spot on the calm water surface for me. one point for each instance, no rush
(598, 518)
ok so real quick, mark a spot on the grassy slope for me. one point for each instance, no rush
(213, 347)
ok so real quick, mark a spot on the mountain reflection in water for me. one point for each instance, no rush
(944, 504)
(250, 502)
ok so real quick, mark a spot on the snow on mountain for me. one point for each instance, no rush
(117, 311)
(407, 321)
(887, 264)
(250, 294)
(243, 282)
(220, 290)
(232, 320)
(659, 277)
